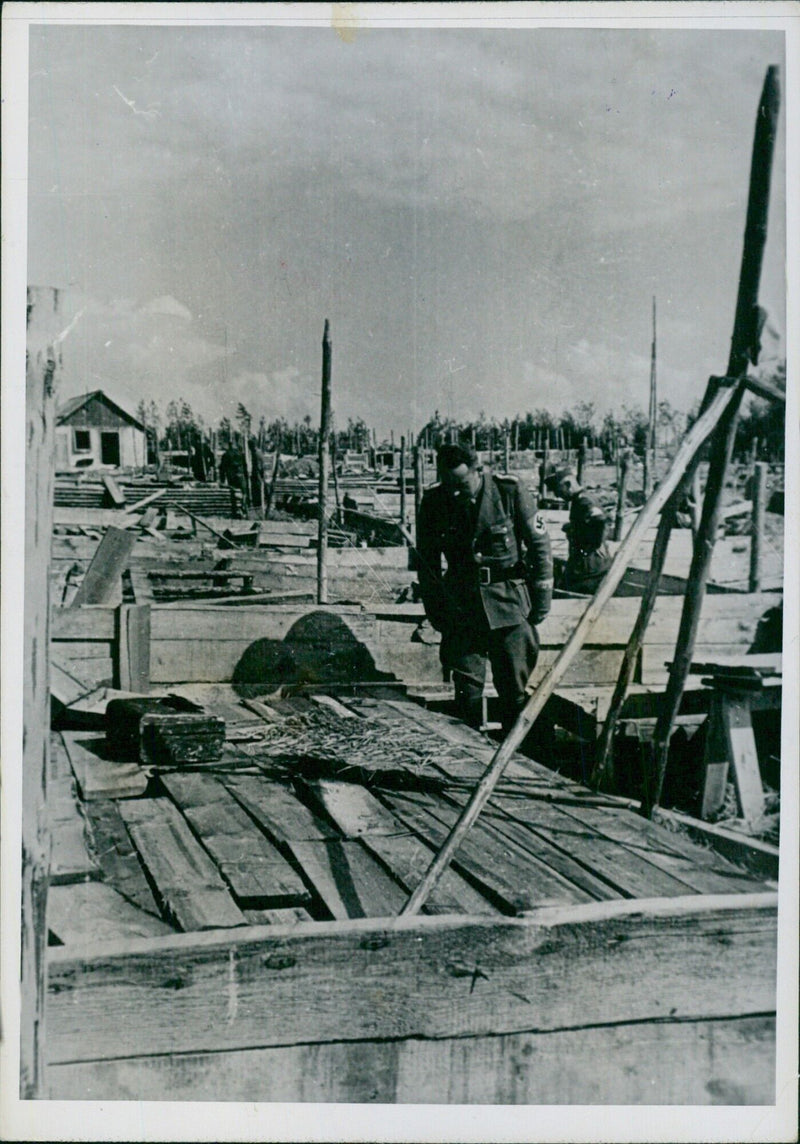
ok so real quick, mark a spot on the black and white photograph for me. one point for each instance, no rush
(398, 497)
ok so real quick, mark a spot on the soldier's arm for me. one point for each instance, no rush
(538, 556)
(429, 570)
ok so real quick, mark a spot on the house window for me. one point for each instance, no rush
(81, 441)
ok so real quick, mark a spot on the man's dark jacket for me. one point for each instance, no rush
(498, 555)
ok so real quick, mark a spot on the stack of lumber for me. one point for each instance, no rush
(198, 498)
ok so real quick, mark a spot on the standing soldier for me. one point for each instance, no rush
(589, 557)
(232, 472)
(498, 583)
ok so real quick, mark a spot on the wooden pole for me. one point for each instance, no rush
(744, 349)
(324, 436)
(506, 452)
(273, 481)
(419, 482)
(545, 463)
(403, 481)
(44, 319)
(757, 525)
(650, 445)
(339, 516)
(624, 464)
(581, 460)
(543, 690)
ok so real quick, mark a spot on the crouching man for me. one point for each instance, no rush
(498, 584)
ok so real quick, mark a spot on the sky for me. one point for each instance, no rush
(484, 215)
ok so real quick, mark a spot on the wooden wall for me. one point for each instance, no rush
(657, 1002)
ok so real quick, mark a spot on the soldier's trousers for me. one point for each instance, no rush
(512, 652)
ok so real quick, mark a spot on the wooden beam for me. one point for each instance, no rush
(532, 709)
(101, 583)
(113, 490)
(701, 957)
(765, 389)
(324, 461)
(44, 319)
(757, 524)
(133, 647)
(688, 1063)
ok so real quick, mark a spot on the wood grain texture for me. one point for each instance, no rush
(116, 855)
(702, 958)
(690, 1063)
(255, 871)
(188, 884)
(93, 912)
(101, 582)
(70, 860)
(98, 775)
(348, 880)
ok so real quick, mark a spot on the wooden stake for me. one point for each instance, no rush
(506, 450)
(324, 434)
(335, 475)
(581, 460)
(403, 481)
(744, 349)
(624, 464)
(276, 464)
(757, 524)
(543, 690)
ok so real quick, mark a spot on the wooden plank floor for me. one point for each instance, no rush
(327, 809)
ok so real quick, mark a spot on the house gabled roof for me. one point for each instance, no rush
(69, 408)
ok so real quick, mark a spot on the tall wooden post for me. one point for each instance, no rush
(324, 446)
(339, 516)
(403, 484)
(757, 524)
(419, 482)
(622, 489)
(44, 319)
(506, 452)
(581, 460)
(650, 445)
(545, 464)
(744, 349)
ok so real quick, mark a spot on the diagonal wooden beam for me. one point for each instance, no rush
(693, 441)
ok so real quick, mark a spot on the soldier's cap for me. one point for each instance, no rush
(557, 473)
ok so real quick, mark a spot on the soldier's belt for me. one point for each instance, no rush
(488, 575)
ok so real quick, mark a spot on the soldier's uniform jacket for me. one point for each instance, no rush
(497, 552)
(586, 531)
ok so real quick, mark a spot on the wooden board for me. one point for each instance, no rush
(70, 860)
(672, 1063)
(98, 775)
(513, 878)
(189, 887)
(116, 855)
(92, 912)
(101, 584)
(277, 809)
(700, 957)
(259, 877)
(348, 880)
(698, 868)
(358, 814)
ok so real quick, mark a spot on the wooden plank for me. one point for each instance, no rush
(187, 882)
(111, 844)
(277, 809)
(255, 871)
(698, 869)
(760, 858)
(70, 860)
(98, 775)
(113, 490)
(133, 647)
(513, 878)
(87, 623)
(701, 958)
(288, 915)
(349, 881)
(65, 686)
(737, 728)
(101, 582)
(358, 814)
(92, 912)
(628, 873)
(685, 1063)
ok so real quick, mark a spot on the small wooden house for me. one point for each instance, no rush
(92, 431)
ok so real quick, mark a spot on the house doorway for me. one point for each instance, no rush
(109, 448)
